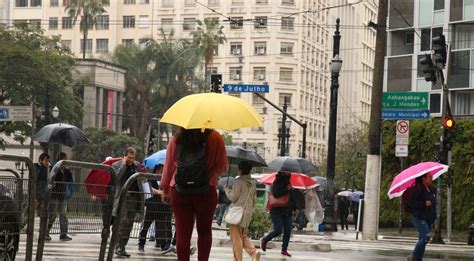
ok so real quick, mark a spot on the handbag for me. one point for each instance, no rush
(235, 214)
(279, 202)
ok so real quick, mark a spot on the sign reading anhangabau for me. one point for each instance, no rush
(405, 100)
(246, 88)
(16, 113)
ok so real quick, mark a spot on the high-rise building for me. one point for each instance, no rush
(282, 43)
(411, 28)
(357, 50)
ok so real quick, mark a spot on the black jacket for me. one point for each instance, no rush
(63, 177)
(280, 188)
(417, 203)
(41, 180)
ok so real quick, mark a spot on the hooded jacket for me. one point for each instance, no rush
(244, 187)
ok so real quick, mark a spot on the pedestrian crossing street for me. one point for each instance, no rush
(84, 251)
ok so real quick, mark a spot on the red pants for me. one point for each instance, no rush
(186, 209)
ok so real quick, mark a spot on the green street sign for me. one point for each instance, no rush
(405, 100)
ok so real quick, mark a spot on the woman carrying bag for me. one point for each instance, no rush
(281, 211)
(240, 213)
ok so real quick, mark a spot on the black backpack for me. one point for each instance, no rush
(192, 174)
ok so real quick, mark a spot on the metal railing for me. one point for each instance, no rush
(107, 206)
(19, 196)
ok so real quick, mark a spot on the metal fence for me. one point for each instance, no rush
(17, 208)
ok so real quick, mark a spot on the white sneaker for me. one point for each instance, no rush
(256, 256)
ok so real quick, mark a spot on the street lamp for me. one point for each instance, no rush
(55, 112)
(336, 64)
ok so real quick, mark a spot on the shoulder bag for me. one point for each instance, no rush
(235, 213)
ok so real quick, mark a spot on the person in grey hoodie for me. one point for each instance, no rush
(243, 194)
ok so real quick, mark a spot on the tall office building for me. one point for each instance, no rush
(282, 43)
(411, 27)
(357, 50)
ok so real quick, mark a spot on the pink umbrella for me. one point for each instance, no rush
(407, 177)
(297, 180)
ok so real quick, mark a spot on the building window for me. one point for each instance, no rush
(88, 45)
(129, 2)
(66, 22)
(435, 102)
(286, 74)
(213, 2)
(66, 44)
(53, 23)
(213, 70)
(463, 103)
(167, 24)
(54, 3)
(235, 94)
(287, 23)
(35, 23)
(260, 48)
(459, 70)
(402, 42)
(261, 1)
(21, 3)
(129, 21)
(143, 21)
(236, 73)
(102, 22)
(167, 3)
(256, 100)
(427, 35)
(189, 2)
(144, 2)
(259, 73)
(236, 48)
(288, 2)
(102, 45)
(282, 97)
(35, 3)
(189, 24)
(236, 22)
(261, 22)
(127, 42)
(286, 48)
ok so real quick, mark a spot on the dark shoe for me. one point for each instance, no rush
(263, 245)
(151, 239)
(120, 251)
(166, 250)
(285, 253)
(141, 249)
(64, 238)
(47, 238)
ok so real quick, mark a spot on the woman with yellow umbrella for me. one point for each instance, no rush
(196, 157)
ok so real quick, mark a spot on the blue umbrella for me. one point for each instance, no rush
(356, 196)
(155, 159)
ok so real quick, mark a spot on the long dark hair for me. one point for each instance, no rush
(191, 140)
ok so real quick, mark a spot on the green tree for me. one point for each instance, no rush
(351, 149)
(34, 68)
(227, 138)
(105, 143)
(88, 10)
(207, 37)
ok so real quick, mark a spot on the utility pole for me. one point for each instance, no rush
(283, 128)
(372, 176)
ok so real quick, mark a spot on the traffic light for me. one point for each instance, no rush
(448, 135)
(216, 82)
(427, 68)
(439, 49)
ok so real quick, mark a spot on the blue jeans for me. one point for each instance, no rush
(423, 229)
(220, 213)
(300, 219)
(280, 221)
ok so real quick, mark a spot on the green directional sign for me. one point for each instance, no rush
(405, 100)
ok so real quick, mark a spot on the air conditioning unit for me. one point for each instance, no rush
(264, 110)
(261, 51)
(261, 77)
(236, 77)
(237, 51)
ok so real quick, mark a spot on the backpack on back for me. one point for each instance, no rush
(192, 174)
(406, 197)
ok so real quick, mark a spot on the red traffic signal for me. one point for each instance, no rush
(449, 123)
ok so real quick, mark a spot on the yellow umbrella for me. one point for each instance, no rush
(213, 111)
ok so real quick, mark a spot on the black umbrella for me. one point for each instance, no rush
(61, 133)
(292, 165)
(237, 154)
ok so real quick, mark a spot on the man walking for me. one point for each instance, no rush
(124, 169)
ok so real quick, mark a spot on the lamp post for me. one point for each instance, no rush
(55, 112)
(336, 64)
(56, 147)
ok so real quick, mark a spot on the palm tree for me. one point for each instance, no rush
(88, 10)
(207, 37)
